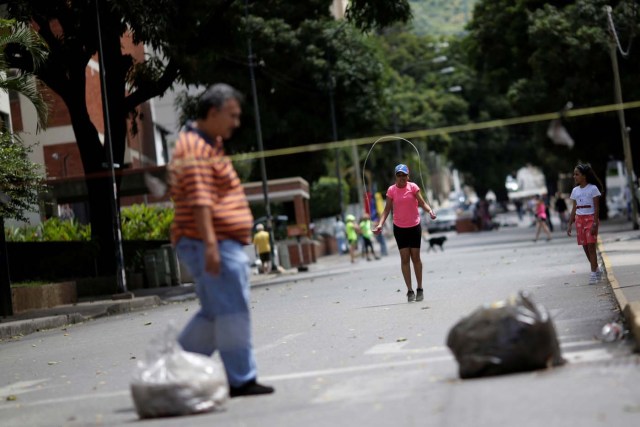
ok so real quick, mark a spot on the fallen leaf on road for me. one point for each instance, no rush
(12, 397)
(52, 363)
(401, 339)
(148, 323)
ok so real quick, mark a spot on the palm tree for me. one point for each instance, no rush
(20, 179)
(21, 48)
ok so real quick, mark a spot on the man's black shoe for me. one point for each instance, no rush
(250, 388)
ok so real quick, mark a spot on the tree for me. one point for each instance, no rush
(20, 180)
(324, 202)
(538, 55)
(176, 30)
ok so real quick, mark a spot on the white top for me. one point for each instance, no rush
(584, 199)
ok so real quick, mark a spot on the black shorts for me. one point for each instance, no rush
(265, 256)
(408, 237)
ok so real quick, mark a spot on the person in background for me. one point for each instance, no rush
(212, 223)
(547, 202)
(339, 232)
(262, 243)
(353, 231)
(519, 210)
(585, 213)
(367, 235)
(403, 198)
(382, 241)
(561, 208)
(541, 218)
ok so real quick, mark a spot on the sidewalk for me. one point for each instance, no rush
(619, 247)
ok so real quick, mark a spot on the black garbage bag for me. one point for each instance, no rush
(508, 336)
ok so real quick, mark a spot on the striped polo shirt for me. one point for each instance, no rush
(202, 175)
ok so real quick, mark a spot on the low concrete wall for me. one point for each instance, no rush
(44, 296)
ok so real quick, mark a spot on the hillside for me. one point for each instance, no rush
(441, 17)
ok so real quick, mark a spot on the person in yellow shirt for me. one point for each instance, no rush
(263, 247)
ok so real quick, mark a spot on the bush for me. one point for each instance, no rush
(51, 230)
(142, 222)
(324, 197)
(139, 222)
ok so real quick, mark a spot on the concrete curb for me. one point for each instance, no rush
(25, 327)
(76, 314)
(630, 310)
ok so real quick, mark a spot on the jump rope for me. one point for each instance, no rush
(367, 203)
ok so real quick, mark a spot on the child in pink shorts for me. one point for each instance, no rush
(586, 208)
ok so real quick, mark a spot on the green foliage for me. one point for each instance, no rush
(51, 230)
(139, 222)
(142, 222)
(302, 54)
(22, 51)
(534, 57)
(324, 197)
(21, 181)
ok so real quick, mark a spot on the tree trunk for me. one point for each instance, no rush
(6, 304)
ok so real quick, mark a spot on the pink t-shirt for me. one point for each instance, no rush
(405, 205)
(541, 211)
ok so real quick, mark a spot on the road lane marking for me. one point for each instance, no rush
(398, 347)
(277, 343)
(592, 355)
(22, 387)
(353, 369)
(67, 399)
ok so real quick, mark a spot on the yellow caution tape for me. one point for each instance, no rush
(468, 127)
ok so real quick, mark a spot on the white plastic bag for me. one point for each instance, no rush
(172, 381)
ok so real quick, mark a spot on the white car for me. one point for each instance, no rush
(445, 220)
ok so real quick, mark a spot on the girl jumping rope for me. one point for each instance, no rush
(404, 198)
(586, 208)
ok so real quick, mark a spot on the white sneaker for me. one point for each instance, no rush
(593, 278)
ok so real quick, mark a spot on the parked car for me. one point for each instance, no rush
(445, 220)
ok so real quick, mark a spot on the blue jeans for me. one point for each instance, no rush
(223, 322)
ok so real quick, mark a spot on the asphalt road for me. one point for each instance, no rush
(347, 349)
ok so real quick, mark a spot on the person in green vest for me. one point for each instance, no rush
(367, 236)
(352, 230)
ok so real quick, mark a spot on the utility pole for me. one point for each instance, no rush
(263, 167)
(6, 301)
(334, 128)
(115, 210)
(623, 127)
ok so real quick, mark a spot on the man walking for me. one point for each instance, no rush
(212, 224)
(261, 241)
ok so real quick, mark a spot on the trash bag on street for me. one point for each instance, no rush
(172, 381)
(508, 336)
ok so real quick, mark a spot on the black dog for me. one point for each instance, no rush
(436, 241)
